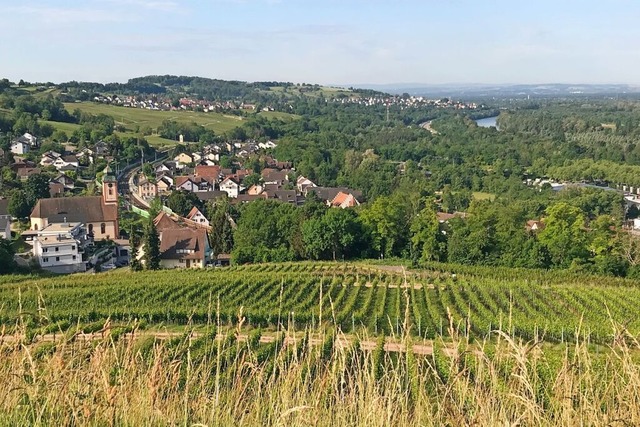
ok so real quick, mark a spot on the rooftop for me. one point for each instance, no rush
(60, 227)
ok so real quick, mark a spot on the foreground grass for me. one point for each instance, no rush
(224, 382)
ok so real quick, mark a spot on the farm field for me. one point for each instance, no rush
(378, 300)
(214, 370)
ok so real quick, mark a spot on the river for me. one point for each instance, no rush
(488, 122)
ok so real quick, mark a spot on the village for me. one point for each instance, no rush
(70, 231)
(160, 103)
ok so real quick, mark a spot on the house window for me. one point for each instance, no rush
(57, 258)
(57, 249)
(45, 259)
(35, 226)
(90, 228)
(73, 257)
(103, 228)
(73, 247)
(181, 261)
(45, 249)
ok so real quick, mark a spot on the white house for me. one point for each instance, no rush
(302, 183)
(196, 216)
(19, 147)
(30, 139)
(49, 158)
(59, 246)
(231, 187)
(267, 145)
(66, 162)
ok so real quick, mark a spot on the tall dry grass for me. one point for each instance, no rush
(142, 381)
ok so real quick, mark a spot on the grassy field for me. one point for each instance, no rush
(131, 117)
(479, 195)
(278, 115)
(68, 128)
(217, 372)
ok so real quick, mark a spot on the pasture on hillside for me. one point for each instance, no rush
(131, 117)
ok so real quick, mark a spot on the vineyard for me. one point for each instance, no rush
(355, 297)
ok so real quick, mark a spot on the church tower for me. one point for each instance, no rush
(109, 189)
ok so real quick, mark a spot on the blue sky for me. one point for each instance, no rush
(323, 41)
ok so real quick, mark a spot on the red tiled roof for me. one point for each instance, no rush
(208, 172)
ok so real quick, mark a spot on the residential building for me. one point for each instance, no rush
(231, 187)
(23, 144)
(101, 149)
(210, 173)
(56, 189)
(59, 246)
(193, 184)
(267, 145)
(147, 189)
(344, 200)
(4, 206)
(183, 158)
(24, 173)
(164, 185)
(20, 147)
(66, 162)
(5, 228)
(184, 248)
(198, 217)
(328, 194)
(66, 181)
(303, 183)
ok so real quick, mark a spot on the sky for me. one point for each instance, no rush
(339, 42)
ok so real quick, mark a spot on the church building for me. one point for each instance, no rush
(99, 214)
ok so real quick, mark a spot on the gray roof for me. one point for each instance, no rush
(4, 203)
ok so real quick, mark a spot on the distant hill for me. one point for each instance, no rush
(213, 89)
(503, 91)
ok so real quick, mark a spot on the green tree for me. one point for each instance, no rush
(565, 235)
(151, 246)
(336, 234)
(268, 230)
(59, 136)
(427, 242)
(252, 179)
(18, 205)
(386, 220)
(181, 202)
(134, 241)
(7, 261)
(148, 170)
(36, 187)
(221, 234)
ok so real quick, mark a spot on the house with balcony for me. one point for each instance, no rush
(59, 247)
